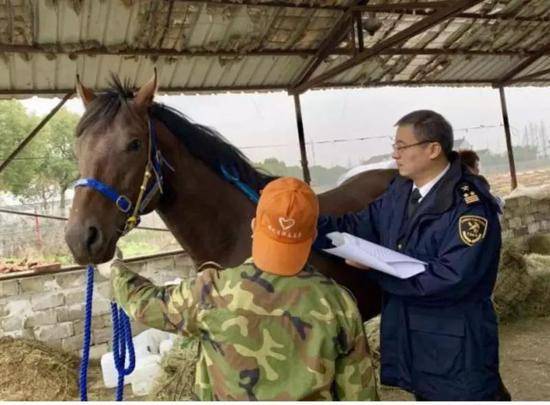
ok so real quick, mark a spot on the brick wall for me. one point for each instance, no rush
(50, 307)
(524, 215)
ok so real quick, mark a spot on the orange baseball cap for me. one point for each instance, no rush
(285, 226)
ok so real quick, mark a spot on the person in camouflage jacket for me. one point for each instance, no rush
(273, 328)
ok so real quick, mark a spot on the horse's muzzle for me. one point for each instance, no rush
(87, 242)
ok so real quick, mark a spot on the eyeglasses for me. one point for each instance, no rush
(399, 148)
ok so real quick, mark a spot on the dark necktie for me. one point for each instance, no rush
(413, 203)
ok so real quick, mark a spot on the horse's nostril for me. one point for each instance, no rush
(93, 234)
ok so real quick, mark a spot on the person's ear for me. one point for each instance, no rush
(435, 150)
(252, 224)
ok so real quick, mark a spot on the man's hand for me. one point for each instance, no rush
(106, 268)
(357, 265)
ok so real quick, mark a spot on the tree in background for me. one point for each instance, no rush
(320, 176)
(15, 125)
(59, 167)
(47, 165)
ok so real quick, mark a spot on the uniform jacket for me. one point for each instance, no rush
(263, 336)
(439, 336)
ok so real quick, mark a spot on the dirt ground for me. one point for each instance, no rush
(524, 361)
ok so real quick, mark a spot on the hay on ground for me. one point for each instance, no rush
(177, 378)
(538, 243)
(32, 371)
(514, 283)
(538, 302)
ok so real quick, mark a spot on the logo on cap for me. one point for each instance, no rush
(286, 223)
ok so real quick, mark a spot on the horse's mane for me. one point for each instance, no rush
(201, 141)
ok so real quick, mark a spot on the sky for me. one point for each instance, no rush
(264, 124)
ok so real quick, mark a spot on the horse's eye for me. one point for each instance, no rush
(134, 145)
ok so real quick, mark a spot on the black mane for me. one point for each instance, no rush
(201, 141)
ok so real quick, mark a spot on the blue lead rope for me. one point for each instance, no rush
(87, 333)
(122, 342)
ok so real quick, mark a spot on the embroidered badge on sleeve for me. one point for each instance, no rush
(472, 229)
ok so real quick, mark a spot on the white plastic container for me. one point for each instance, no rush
(144, 376)
(147, 347)
(148, 341)
(108, 371)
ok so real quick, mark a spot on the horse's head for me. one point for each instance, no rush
(112, 148)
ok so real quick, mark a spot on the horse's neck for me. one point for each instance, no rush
(209, 217)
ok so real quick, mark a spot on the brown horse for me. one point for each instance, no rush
(208, 215)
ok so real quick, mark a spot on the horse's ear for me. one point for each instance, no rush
(85, 94)
(145, 95)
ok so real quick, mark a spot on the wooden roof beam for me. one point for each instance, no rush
(508, 77)
(533, 75)
(403, 7)
(102, 51)
(272, 4)
(342, 27)
(7, 93)
(396, 39)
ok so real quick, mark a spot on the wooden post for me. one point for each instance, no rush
(35, 131)
(508, 138)
(301, 139)
(359, 29)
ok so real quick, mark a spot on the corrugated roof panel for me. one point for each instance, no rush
(115, 24)
(68, 25)
(203, 28)
(22, 73)
(247, 71)
(541, 64)
(65, 74)
(44, 72)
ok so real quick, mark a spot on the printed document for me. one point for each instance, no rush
(374, 256)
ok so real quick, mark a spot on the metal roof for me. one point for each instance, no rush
(220, 45)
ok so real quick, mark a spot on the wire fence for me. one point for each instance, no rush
(39, 233)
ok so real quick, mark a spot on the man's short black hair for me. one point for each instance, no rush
(430, 126)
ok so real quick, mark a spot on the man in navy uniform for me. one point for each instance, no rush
(439, 333)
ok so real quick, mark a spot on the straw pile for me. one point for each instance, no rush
(32, 371)
(177, 378)
(523, 283)
(513, 283)
(538, 302)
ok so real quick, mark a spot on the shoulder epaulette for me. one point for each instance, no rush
(468, 193)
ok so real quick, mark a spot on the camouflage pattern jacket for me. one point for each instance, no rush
(263, 336)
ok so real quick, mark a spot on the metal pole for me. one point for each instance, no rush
(508, 138)
(35, 131)
(299, 123)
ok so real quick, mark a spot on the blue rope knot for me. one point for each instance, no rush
(122, 342)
